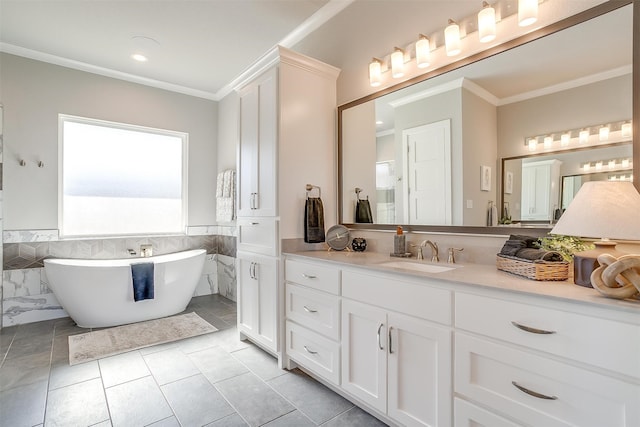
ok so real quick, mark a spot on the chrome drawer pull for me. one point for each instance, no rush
(310, 351)
(390, 342)
(255, 223)
(379, 344)
(532, 330)
(533, 393)
(308, 276)
(309, 310)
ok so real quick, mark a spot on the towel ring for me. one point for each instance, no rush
(310, 187)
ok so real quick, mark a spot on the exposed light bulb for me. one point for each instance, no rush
(583, 137)
(486, 23)
(533, 144)
(423, 52)
(586, 167)
(564, 139)
(626, 130)
(397, 63)
(625, 163)
(375, 73)
(452, 38)
(527, 12)
(611, 164)
(604, 133)
(548, 141)
(599, 165)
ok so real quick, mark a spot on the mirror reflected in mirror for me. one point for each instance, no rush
(438, 152)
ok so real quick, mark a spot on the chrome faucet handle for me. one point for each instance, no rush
(452, 259)
(419, 254)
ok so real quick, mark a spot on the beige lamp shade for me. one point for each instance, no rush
(602, 209)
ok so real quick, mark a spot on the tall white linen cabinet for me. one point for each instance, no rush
(286, 140)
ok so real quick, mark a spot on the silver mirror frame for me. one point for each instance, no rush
(583, 16)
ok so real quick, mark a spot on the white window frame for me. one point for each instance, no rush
(62, 118)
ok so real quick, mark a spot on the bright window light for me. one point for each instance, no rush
(119, 179)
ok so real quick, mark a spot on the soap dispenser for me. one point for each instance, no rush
(399, 242)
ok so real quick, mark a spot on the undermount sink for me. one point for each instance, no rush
(415, 266)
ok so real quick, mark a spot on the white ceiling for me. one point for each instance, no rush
(204, 45)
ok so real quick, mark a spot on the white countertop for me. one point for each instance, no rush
(476, 274)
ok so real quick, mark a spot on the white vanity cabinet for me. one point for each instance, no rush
(257, 298)
(286, 139)
(257, 148)
(312, 309)
(395, 357)
(546, 366)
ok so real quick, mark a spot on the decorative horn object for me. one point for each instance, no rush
(617, 277)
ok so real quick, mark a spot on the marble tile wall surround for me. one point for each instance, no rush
(227, 285)
(26, 298)
(208, 283)
(31, 254)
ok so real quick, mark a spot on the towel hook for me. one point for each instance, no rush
(310, 187)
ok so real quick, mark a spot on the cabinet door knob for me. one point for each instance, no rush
(379, 343)
(309, 310)
(533, 393)
(532, 330)
(310, 351)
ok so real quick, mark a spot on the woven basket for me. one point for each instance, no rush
(536, 270)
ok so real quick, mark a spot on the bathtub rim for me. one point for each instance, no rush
(123, 262)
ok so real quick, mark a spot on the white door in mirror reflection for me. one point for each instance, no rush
(428, 169)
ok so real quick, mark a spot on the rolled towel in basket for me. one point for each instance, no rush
(532, 254)
(511, 247)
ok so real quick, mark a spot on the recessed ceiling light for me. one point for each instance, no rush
(143, 47)
(139, 57)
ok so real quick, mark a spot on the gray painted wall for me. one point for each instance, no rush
(34, 93)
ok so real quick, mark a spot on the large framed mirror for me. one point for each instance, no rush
(433, 153)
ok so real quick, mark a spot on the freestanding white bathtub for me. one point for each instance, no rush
(99, 293)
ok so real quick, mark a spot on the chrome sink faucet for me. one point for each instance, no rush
(434, 250)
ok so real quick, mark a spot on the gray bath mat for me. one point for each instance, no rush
(108, 342)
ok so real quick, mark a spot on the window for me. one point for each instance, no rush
(118, 179)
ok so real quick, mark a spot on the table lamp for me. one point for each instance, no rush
(604, 210)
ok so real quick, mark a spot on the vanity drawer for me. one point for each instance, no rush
(314, 352)
(600, 342)
(414, 299)
(506, 379)
(316, 310)
(467, 414)
(322, 277)
(258, 235)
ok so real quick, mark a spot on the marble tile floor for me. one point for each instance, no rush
(210, 380)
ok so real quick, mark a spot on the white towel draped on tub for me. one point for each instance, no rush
(225, 196)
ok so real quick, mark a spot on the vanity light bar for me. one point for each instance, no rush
(620, 177)
(592, 135)
(484, 23)
(611, 164)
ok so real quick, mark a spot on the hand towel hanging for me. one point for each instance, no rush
(225, 196)
(313, 220)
